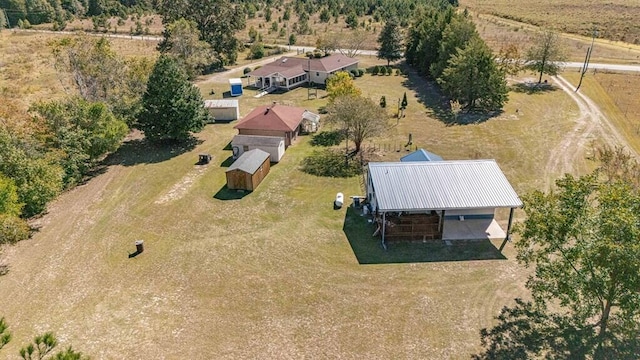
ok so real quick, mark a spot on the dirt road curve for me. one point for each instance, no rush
(589, 123)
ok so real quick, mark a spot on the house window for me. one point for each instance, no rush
(317, 74)
(245, 147)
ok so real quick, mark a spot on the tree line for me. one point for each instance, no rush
(59, 143)
(60, 12)
(445, 46)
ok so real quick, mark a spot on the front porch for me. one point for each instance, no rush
(278, 81)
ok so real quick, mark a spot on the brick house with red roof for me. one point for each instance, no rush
(274, 120)
(289, 72)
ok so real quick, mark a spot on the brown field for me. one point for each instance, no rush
(617, 96)
(615, 19)
(276, 273)
(498, 33)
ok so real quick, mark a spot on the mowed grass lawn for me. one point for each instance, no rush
(273, 274)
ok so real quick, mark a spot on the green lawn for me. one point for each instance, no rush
(277, 273)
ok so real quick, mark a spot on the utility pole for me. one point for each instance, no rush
(585, 67)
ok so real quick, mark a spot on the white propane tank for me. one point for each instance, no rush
(339, 200)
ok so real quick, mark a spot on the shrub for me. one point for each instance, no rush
(389, 70)
(398, 72)
(257, 51)
(246, 71)
(327, 138)
(383, 102)
(353, 72)
(375, 70)
(330, 163)
(12, 229)
(360, 72)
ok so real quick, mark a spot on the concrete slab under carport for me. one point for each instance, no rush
(472, 229)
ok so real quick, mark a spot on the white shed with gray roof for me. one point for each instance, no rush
(272, 144)
(223, 110)
(456, 190)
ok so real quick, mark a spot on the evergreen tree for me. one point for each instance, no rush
(473, 78)
(404, 103)
(390, 41)
(172, 106)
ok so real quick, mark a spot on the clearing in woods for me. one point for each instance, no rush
(279, 273)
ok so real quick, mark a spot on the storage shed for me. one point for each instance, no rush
(223, 109)
(236, 86)
(248, 171)
(271, 144)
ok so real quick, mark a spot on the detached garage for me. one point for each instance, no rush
(248, 171)
(271, 144)
(223, 110)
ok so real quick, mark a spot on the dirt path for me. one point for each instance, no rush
(224, 75)
(590, 123)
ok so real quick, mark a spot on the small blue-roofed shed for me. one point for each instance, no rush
(236, 86)
(421, 155)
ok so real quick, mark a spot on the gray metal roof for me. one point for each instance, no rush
(224, 103)
(250, 161)
(257, 140)
(441, 185)
(421, 155)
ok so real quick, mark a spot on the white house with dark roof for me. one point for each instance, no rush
(290, 72)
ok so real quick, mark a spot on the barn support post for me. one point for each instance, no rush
(384, 224)
(508, 237)
(509, 224)
(441, 224)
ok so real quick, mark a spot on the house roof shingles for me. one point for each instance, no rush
(249, 161)
(286, 65)
(272, 117)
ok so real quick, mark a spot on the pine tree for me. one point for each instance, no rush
(172, 106)
(473, 78)
(390, 41)
(404, 103)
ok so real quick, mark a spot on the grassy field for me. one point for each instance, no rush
(615, 19)
(276, 273)
(616, 95)
(499, 32)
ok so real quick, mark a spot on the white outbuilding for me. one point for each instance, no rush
(223, 109)
(271, 144)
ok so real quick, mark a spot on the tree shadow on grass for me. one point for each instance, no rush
(227, 194)
(368, 249)
(428, 94)
(531, 88)
(141, 151)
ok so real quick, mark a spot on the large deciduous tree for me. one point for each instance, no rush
(182, 40)
(99, 74)
(83, 132)
(582, 239)
(390, 41)
(172, 106)
(546, 55)
(340, 84)
(217, 20)
(360, 118)
(37, 176)
(473, 78)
